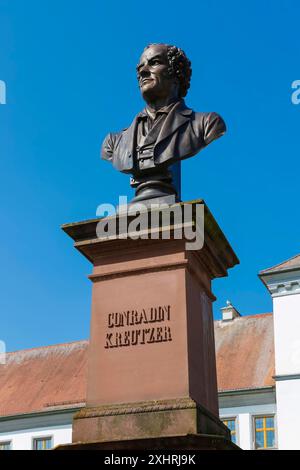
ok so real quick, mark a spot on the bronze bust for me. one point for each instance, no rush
(166, 131)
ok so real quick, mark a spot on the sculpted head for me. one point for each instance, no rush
(164, 73)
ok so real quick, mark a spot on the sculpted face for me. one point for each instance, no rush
(154, 80)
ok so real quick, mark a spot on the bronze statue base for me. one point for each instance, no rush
(162, 183)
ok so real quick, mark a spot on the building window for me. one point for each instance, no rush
(231, 424)
(5, 445)
(42, 443)
(264, 427)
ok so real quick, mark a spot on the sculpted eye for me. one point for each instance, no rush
(155, 62)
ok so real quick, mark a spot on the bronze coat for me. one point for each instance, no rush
(183, 134)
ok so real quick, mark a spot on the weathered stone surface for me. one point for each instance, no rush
(145, 420)
(172, 443)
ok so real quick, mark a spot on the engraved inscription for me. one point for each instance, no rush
(120, 334)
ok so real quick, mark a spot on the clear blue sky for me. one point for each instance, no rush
(69, 67)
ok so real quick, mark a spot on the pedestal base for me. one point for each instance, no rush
(173, 443)
(151, 419)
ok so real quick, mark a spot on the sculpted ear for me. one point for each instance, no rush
(214, 127)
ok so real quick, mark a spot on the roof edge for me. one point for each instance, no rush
(49, 346)
(276, 267)
(35, 414)
(245, 391)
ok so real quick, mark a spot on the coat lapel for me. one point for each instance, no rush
(123, 154)
(178, 116)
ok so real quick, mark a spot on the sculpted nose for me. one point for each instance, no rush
(144, 70)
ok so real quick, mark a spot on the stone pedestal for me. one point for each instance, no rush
(151, 367)
(171, 443)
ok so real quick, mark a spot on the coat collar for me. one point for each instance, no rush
(146, 112)
(177, 116)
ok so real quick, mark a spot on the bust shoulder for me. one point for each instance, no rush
(211, 125)
(109, 144)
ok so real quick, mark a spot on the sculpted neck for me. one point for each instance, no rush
(155, 105)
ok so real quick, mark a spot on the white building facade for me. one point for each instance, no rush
(36, 432)
(283, 283)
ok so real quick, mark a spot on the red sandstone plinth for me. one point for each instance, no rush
(152, 370)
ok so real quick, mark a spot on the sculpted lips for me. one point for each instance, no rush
(145, 80)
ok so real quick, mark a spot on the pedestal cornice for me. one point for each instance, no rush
(216, 255)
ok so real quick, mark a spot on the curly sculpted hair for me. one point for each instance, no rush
(179, 66)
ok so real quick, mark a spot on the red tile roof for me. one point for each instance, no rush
(290, 264)
(54, 377)
(245, 352)
(42, 379)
